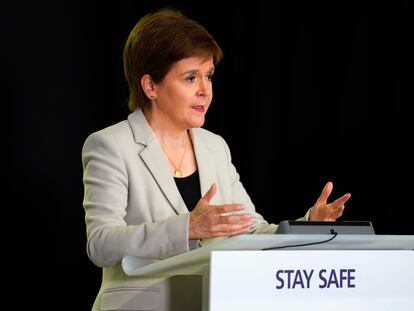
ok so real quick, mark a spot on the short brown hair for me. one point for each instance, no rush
(157, 41)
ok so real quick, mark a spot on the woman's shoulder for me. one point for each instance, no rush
(114, 132)
(207, 135)
(113, 129)
(211, 140)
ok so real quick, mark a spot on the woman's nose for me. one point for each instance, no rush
(204, 88)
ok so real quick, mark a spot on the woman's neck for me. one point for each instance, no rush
(166, 131)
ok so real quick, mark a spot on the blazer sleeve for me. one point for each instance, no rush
(106, 186)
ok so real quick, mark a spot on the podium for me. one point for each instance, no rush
(361, 272)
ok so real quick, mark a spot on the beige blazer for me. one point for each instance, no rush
(133, 207)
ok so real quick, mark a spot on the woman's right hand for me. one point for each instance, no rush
(210, 221)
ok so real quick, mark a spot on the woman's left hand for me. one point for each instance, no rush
(328, 211)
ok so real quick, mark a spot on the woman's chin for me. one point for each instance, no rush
(199, 122)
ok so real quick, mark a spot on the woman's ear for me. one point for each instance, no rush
(147, 85)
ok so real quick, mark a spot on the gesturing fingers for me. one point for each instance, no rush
(326, 192)
(341, 201)
(210, 193)
(335, 209)
(329, 212)
(231, 229)
(234, 219)
(227, 208)
(207, 221)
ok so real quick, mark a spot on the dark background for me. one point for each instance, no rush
(307, 92)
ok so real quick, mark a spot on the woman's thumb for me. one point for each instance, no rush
(210, 193)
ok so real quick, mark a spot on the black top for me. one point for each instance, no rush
(189, 188)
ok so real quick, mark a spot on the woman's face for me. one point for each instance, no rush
(184, 95)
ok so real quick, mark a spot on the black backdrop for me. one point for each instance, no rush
(307, 92)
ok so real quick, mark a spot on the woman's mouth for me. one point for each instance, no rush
(198, 108)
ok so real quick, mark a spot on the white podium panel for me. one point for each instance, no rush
(195, 261)
(312, 280)
(383, 269)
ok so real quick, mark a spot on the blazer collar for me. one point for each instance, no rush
(205, 162)
(154, 158)
(141, 130)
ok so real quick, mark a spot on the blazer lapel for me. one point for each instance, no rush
(154, 159)
(205, 163)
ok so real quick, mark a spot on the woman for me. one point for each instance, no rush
(158, 185)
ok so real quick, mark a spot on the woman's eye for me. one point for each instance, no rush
(190, 78)
(209, 77)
